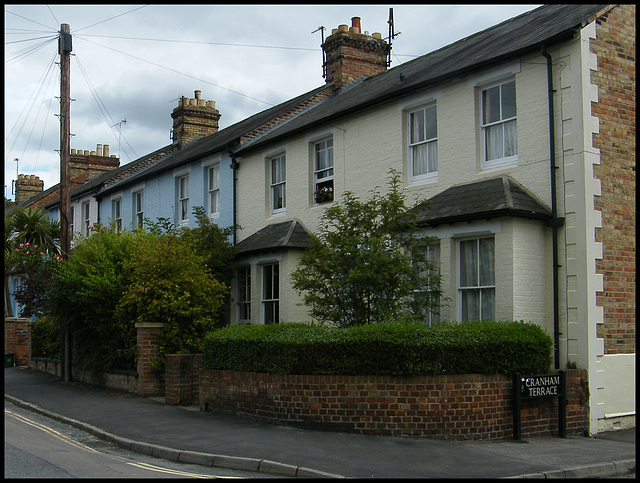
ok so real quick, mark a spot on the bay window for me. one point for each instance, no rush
(270, 294)
(476, 281)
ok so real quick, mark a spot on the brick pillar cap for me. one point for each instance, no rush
(150, 325)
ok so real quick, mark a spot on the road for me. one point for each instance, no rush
(39, 447)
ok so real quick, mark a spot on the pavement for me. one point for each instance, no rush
(184, 434)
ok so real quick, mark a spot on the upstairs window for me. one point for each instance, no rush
(86, 221)
(278, 183)
(423, 143)
(183, 199)
(138, 210)
(323, 171)
(214, 190)
(116, 213)
(499, 125)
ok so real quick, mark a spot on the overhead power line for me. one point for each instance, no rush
(179, 72)
(226, 44)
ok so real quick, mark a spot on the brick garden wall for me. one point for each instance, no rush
(615, 77)
(16, 339)
(182, 378)
(459, 407)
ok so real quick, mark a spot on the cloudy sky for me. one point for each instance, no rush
(133, 62)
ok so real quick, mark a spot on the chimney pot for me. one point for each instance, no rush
(343, 28)
(105, 150)
(355, 22)
(99, 149)
(197, 93)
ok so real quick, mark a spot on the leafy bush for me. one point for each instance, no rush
(382, 349)
(169, 282)
(84, 295)
(45, 338)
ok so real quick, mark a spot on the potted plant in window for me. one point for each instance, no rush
(323, 195)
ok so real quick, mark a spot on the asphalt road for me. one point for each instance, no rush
(39, 447)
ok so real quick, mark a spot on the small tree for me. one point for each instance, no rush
(170, 283)
(366, 262)
(84, 296)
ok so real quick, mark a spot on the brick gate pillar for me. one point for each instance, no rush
(148, 342)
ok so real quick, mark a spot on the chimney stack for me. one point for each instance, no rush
(351, 54)
(194, 118)
(85, 164)
(27, 186)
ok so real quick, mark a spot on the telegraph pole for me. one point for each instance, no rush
(64, 49)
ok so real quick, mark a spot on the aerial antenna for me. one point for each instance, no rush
(392, 34)
(324, 54)
(119, 124)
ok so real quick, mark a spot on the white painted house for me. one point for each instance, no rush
(510, 169)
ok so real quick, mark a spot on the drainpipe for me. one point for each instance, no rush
(234, 166)
(556, 222)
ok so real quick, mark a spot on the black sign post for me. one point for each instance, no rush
(535, 387)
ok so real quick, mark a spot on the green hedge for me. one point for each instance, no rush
(381, 349)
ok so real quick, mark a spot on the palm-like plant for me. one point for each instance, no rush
(27, 225)
(33, 226)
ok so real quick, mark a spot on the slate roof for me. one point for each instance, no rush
(506, 41)
(222, 140)
(490, 198)
(278, 236)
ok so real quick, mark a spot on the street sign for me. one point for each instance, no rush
(537, 386)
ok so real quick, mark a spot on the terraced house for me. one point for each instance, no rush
(522, 139)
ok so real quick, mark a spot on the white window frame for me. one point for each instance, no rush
(432, 316)
(116, 212)
(243, 297)
(71, 219)
(485, 291)
(138, 208)
(86, 218)
(419, 137)
(499, 124)
(213, 190)
(270, 299)
(323, 177)
(183, 199)
(278, 183)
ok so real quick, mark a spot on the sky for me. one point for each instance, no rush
(131, 64)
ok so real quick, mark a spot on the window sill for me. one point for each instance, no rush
(499, 163)
(431, 177)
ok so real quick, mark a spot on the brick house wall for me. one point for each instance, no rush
(615, 77)
(456, 407)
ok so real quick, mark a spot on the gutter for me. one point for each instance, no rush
(555, 221)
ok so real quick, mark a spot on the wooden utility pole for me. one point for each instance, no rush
(64, 49)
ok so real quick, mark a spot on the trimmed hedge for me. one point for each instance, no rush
(485, 347)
